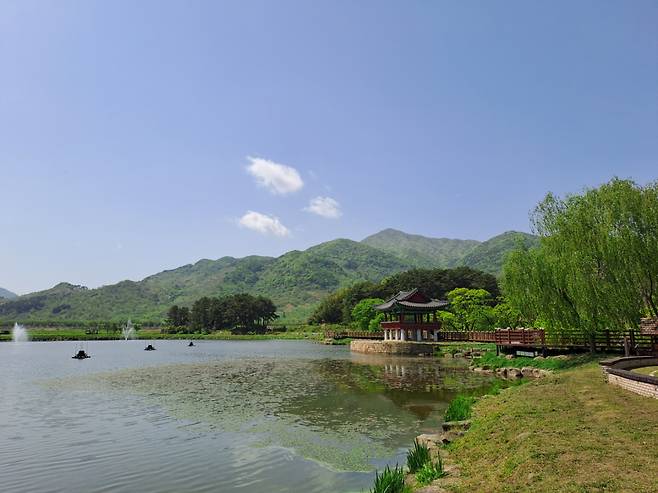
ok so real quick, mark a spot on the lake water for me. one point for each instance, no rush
(229, 416)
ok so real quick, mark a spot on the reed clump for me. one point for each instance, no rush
(389, 481)
(417, 457)
(430, 471)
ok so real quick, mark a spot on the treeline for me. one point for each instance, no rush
(436, 283)
(469, 309)
(20, 306)
(238, 312)
(597, 264)
(594, 270)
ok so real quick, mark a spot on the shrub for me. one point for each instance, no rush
(363, 313)
(460, 408)
(389, 481)
(417, 457)
(430, 471)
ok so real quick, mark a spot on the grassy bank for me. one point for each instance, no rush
(571, 432)
(69, 334)
(493, 362)
(449, 347)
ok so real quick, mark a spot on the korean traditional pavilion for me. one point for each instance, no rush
(410, 316)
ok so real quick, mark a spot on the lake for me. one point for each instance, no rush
(229, 416)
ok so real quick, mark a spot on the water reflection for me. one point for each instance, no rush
(347, 413)
(233, 417)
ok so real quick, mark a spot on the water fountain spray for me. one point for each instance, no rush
(19, 333)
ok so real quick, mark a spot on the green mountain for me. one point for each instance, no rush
(421, 251)
(6, 294)
(489, 256)
(295, 281)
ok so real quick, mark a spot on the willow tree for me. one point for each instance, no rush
(597, 264)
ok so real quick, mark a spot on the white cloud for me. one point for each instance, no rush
(277, 178)
(325, 207)
(264, 224)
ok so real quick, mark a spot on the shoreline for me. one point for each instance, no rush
(530, 438)
(53, 335)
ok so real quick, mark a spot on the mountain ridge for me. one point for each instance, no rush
(421, 251)
(7, 295)
(427, 252)
(489, 255)
(296, 281)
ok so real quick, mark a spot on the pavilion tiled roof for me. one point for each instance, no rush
(401, 299)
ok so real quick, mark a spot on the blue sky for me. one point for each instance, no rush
(139, 136)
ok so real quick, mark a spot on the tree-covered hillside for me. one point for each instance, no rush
(436, 283)
(425, 252)
(489, 256)
(6, 294)
(296, 281)
(421, 251)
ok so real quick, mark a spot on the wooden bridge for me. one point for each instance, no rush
(537, 340)
(499, 337)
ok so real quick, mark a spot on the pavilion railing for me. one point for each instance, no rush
(396, 324)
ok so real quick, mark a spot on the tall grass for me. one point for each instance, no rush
(460, 408)
(417, 457)
(430, 471)
(389, 481)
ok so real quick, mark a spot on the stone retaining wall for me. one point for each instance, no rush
(629, 362)
(392, 347)
(617, 373)
(642, 388)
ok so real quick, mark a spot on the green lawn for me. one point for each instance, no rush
(493, 362)
(647, 370)
(570, 432)
(459, 346)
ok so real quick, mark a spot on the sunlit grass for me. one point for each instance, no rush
(573, 432)
(460, 408)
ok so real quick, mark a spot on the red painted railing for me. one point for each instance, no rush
(471, 336)
(396, 324)
(520, 337)
(537, 338)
